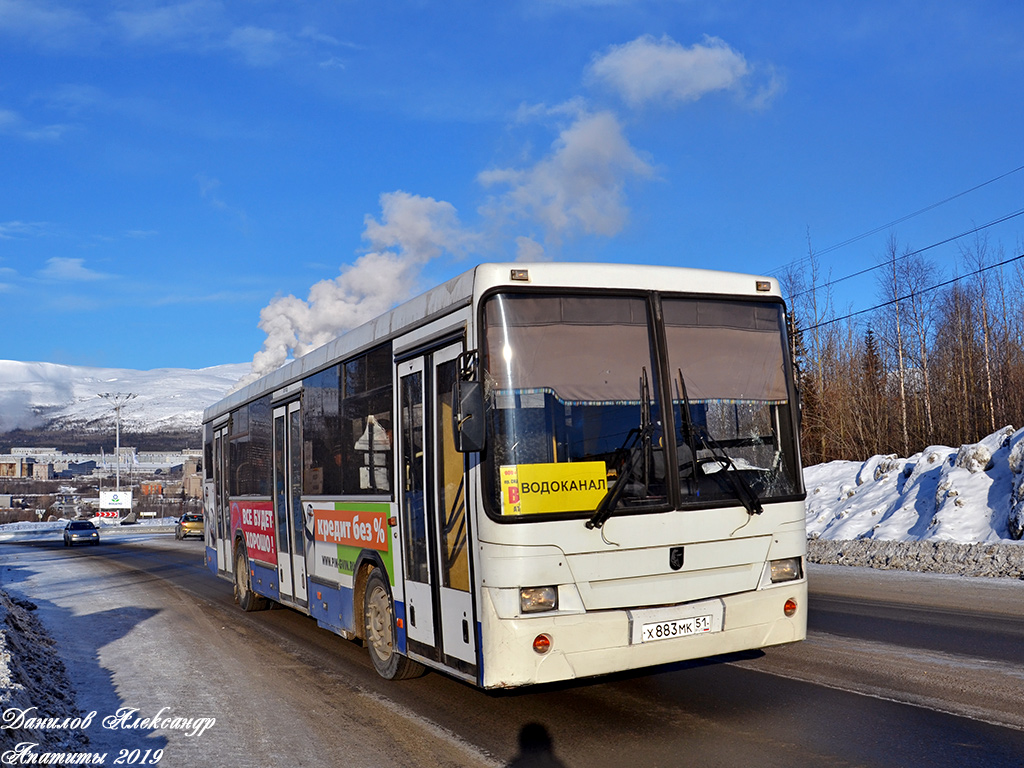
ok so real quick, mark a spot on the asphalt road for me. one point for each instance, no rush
(898, 670)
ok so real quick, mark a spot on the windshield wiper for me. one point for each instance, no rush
(746, 495)
(748, 498)
(690, 433)
(634, 451)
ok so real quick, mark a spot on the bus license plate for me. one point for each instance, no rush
(666, 630)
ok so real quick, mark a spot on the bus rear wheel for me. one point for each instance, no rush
(244, 596)
(379, 631)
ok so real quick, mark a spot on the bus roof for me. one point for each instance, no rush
(460, 291)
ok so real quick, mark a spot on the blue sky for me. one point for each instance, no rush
(179, 174)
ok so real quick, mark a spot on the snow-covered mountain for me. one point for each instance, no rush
(52, 396)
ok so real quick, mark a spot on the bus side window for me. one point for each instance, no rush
(346, 425)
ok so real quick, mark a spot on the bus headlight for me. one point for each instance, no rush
(785, 570)
(538, 599)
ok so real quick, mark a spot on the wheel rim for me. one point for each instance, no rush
(379, 624)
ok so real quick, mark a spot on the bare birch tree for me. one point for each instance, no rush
(976, 255)
(917, 275)
(891, 291)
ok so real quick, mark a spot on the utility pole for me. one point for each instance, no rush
(118, 400)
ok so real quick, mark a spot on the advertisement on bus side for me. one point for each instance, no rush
(342, 529)
(256, 519)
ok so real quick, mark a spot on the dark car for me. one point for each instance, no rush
(189, 525)
(81, 532)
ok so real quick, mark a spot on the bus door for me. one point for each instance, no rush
(439, 617)
(291, 544)
(221, 528)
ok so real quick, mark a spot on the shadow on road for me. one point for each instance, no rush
(88, 637)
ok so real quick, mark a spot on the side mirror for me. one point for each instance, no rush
(468, 416)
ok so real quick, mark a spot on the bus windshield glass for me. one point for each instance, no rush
(577, 405)
(731, 402)
(574, 403)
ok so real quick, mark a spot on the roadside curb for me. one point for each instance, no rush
(1003, 560)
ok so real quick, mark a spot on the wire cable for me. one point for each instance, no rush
(900, 220)
(912, 294)
(830, 283)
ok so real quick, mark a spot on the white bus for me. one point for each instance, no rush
(530, 473)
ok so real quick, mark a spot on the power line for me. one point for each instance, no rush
(900, 220)
(830, 283)
(913, 293)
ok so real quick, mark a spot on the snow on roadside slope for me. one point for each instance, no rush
(33, 680)
(972, 494)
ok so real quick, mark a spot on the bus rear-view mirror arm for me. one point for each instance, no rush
(468, 416)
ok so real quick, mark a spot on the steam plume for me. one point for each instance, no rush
(412, 231)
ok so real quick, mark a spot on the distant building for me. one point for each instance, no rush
(151, 489)
(16, 466)
(74, 469)
(181, 469)
(193, 485)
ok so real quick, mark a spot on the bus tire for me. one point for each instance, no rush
(247, 599)
(379, 631)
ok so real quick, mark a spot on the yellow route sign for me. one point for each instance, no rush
(537, 489)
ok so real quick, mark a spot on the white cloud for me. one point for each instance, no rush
(208, 190)
(420, 227)
(175, 21)
(413, 230)
(259, 47)
(44, 22)
(314, 34)
(649, 70)
(579, 186)
(197, 26)
(12, 229)
(65, 269)
(528, 249)
(332, 62)
(13, 124)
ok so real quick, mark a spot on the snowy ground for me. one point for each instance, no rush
(31, 671)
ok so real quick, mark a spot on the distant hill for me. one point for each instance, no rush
(46, 404)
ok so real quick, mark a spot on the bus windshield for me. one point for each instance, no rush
(730, 398)
(577, 405)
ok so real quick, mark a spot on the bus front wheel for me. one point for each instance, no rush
(379, 629)
(244, 596)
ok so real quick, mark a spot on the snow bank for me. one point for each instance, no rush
(28, 530)
(32, 675)
(973, 494)
(944, 510)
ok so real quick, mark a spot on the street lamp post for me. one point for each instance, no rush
(118, 399)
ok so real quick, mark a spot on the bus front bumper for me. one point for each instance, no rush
(602, 642)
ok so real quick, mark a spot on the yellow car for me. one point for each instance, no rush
(189, 525)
